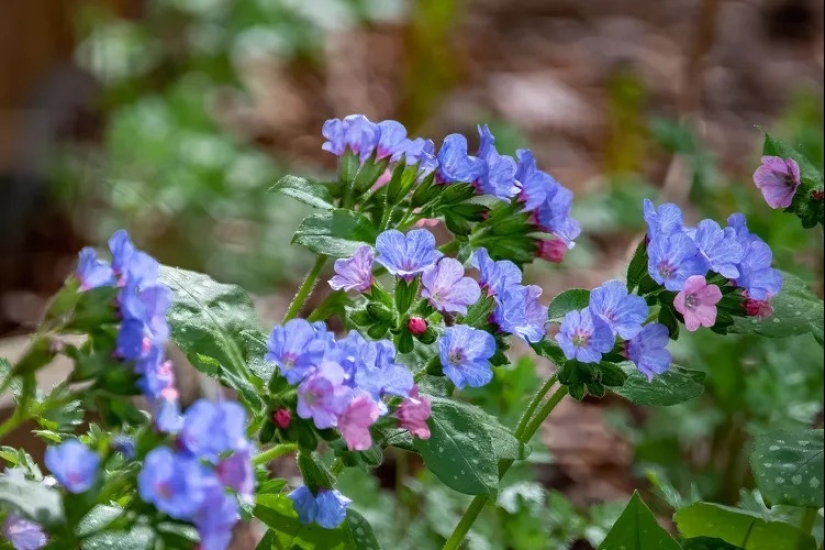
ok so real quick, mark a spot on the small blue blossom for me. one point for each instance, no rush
(584, 336)
(465, 355)
(216, 517)
(672, 259)
(211, 429)
(130, 264)
(392, 138)
(553, 216)
(494, 276)
(446, 287)
(167, 414)
(534, 185)
(22, 533)
(157, 374)
(355, 133)
(237, 472)
(406, 255)
(296, 348)
(149, 306)
(375, 369)
(719, 247)
(173, 482)
(92, 271)
(498, 178)
(455, 164)
(518, 311)
(354, 273)
(322, 396)
(664, 222)
(328, 509)
(648, 350)
(415, 151)
(124, 445)
(73, 465)
(303, 501)
(623, 312)
(756, 275)
(129, 343)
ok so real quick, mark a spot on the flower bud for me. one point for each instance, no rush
(552, 251)
(417, 325)
(760, 309)
(282, 418)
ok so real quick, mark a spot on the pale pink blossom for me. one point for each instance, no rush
(552, 250)
(697, 302)
(413, 413)
(354, 423)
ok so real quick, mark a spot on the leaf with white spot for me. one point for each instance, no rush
(788, 467)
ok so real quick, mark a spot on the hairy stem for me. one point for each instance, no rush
(274, 452)
(305, 291)
(533, 405)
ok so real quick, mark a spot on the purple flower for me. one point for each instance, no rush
(129, 263)
(455, 164)
(174, 483)
(756, 275)
(296, 348)
(584, 336)
(216, 517)
(534, 185)
(498, 178)
(355, 133)
(648, 350)
(416, 151)
(446, 287)
(777, 179)
(392, 139)
(697, 302)
(92, 271)
(122, 249)
(328, 509)
(719, 247)
(673, 259)
(323, 396)
(413, 413)
(553, 216)
(465, 355)
(494, 276)
(518, 311)
(73, 465)
(149, 306)
(623, 312)
(157, 374)
(124, 445)
(355, 422)
(667, 221)
(129, 344)
(552, 250)
(236, 472)
(407, 255)
(375, 370)
(355, 273)
(211, 429)
(22, 533)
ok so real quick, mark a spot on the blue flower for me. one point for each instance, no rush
(415, 151)
(303, 501)
(455, 164)
(124, 445)
(534, 185)
(157, 374)
(553, 216)
(494, 276)
(407, 255)
(173, 482)
(623, 312)
(149, 306)
(446, 287)
(92, 271)
(129, 343)
(130, 264)
(354, 273)
(211, 429)
(296, 348)
(237, 472)
(391, 140)
(322, 396)
(328, 509)
(216, 517)
(518, 311)
(756, 275)
(465, 355)
(584, 336)
(498, 178)
(355, 133)
(648, 350)
(667, 221)
(719, 247)
(672, 259)
(22, 533)
(73, 465)
(375, 370)
(167, 414)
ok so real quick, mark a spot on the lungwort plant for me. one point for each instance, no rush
(423, 320)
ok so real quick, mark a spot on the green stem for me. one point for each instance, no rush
(274, 452)
(478, 503)
(534, 403)
(305, 291)
(807, 524)
(12, 422)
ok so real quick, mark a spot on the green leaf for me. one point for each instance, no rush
(675, 386)
(32, 499)
(207, 319)
(788, 467)
(117, 534)
(747, 530)
(638, 529)
(338, 233)
(637, 266)
(306, 191)
(707, 543)
(569, 300)
(465, 446)
(550, 350)
(796, 310)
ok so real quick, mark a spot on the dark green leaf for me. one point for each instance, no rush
(478, 314)
(31, 498)
(116, 533)
(338, 233)
(569, 300)
(550, 350)
(638, 529)
(707, 543)
(788, 467)
(675, 386)
(747, 530)
(667, 316)
(306, 191)
(637, 266)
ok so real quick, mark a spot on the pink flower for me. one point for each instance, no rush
(354, 423)
(697, 302)
(426, 222)
(552, 250)
(760, 309)
(413, 413)
(778, 180)
(417, 326)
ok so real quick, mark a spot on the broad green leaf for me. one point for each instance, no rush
(747, 530)
(638, 529)
(305, 190)
(675, 386)
(465, 446)
(707, 543)
(32, 499)
(206, 320)
(550, 350)
(788, 467)
(637, 266)
(338, 233)
(569, 300)
(796, 310)
(116, 533)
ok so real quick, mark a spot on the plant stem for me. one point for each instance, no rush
(274, 452)
(478, 503)
(807, 524)
(534, 403)
(305, 291)
(337, 467)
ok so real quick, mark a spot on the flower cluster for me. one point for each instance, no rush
(680, 257)
(142, 303)
(367, 140)
(189, 483)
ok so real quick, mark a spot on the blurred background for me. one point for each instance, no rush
(172, 118)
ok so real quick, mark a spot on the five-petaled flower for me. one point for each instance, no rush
(697, 302)
(446, 287)
(465, 354)
(407, 255)
(73, 464)
(584, 336)
(777, 179)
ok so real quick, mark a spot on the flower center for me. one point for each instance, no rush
(581, 338)
(665, 270)
(456, 357)
(690, 301)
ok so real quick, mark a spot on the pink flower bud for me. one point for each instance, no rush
(417, 326)
(760, 309)
(282, 418)
(552, 251)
